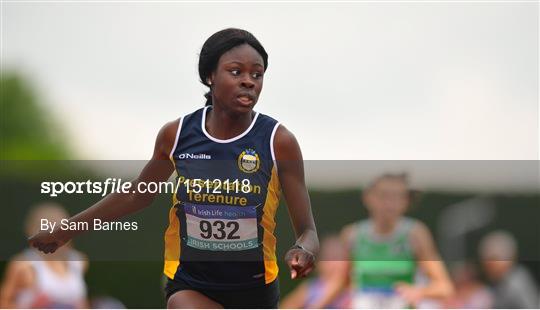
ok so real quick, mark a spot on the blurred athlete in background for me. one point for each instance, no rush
(37, 280)
(512, 284)
(386, 250)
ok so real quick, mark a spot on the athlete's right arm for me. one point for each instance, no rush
(117, 205)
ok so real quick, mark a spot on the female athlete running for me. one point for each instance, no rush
(386, 249)
(231, 164)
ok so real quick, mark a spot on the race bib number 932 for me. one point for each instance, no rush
(221, 227)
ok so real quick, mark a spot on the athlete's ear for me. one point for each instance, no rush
(211, 78)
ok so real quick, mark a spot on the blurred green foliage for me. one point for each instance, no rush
(27, 129)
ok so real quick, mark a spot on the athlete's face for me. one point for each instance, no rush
(387, 199)
(238, 79)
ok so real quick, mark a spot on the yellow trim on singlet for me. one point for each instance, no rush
(269, 224)
(172, 243)
(172, 234)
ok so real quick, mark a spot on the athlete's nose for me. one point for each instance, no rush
(247, 82)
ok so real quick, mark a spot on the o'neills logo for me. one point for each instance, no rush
(194, 156)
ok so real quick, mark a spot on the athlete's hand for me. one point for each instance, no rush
(412, 294)
(48, 242)
(300, 262)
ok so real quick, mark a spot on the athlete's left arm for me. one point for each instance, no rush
(431, 264)
(291, 177)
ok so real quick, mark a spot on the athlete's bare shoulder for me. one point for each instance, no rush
(422, 241)
(166, 138)
(348, 234)
(20, 270)
(419, 232)
(285, 145)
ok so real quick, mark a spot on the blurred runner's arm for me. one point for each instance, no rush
(291, 176)
(297, 298)
(18, 276)
(429, 261)
(336, 286)
(340, 280)
(117, 205)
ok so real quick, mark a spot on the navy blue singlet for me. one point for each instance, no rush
(221, 224)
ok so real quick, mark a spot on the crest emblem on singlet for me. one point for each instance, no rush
(248, 161)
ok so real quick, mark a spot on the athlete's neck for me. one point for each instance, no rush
(384, 227)
(224, 125)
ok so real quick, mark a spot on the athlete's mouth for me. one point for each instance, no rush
(245, 99)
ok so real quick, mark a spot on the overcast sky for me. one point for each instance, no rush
(351, 80)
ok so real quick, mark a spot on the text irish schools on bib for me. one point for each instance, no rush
(97, 224)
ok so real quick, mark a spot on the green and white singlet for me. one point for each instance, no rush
(379, 262)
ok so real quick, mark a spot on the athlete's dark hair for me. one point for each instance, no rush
(218, 44)
(402, 177)
(414, 195)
